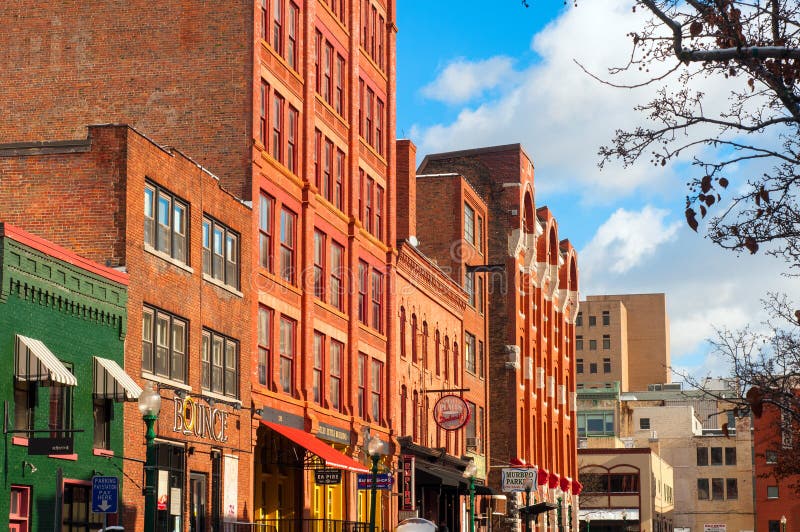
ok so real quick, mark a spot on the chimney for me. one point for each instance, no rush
(406, 189)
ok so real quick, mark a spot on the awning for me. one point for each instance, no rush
(428, 473)
(111, 381)
(35, 362)
(538, 508)
(602, 514)
(311, 443)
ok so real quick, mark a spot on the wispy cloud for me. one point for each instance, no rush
(462, 81)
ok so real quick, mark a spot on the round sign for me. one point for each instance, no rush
(451, 412)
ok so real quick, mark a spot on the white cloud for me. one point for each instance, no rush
(628, 238)
(462, 80)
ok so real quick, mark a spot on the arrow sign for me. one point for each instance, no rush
(105, 494)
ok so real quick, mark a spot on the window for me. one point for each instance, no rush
(262, 129)
(103, 414)
(163, 344)
(327, 165)
(606, 365)
(316, 385)
(338, 99)
(469, 352)
(363, 283)
(593, 367)
(481, 360)
(360, 107)
(368, 117)
(265, 231)
(579, 319)
(264, 20)
(377, 389)
(716, 456)
(469, 287)
(335, 365)
(291, 51)
(772, 492)
(338, 187)
(288, 219)
(456, 356)
(377, 300)
(479, 292)
(220, 252)
(592, 345)
(771, 457)
(291, 141)
(702, 489)
(379, 127)
(606, 341)
(730, 455)
(469, 224)
(471, 427)
(379, 212)
(165, 222)
(336, 286)
(25, 400)
(437, 340)
(361, 399)
(579, 342)
(446, 358)
(317, 158)
(220, 360)
(319, 264)
(717, 489)
(595, 423)
(702, 456)
(60, 415)
(479, 235)
(403, 332)
(425, 361)
(414, 357)
(287, 348)
(731, 489)
(368, 204)
(264, 345)
(277, 26)
(19, 511)
(774, 526)
(75, 513)
(623, 483)
(327, 73)
(277, 127)
(592, 321)
(606, 318)
(579, 365)
(644, 423)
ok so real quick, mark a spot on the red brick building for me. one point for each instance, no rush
(532, 297)
(123, 201)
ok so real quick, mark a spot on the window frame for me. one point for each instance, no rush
(212, 224)
(173, 247)
(288, 259)
(376, 390)
(606, 341)
(470, 353)
(335, 362)
(469, 223)
(318, 359)
(377, 300)
(228, 376)
(288, 354)
(155, 312)
(363, 287)
(361, 394)
(337, 279)
(266, 230)
(264, 363)
(319, 263)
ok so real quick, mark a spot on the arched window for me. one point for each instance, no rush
(437, 340)
(425, 360)
(403, 332)
(446, 358)
(415, 416)
(414, 338)
(456, 356)
(403, 410)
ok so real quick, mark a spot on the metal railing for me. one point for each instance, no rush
(297, 525)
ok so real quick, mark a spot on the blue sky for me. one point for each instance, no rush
(469, 78)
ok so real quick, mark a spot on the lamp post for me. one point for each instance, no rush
(469, 472)
(149, 406)
(375, 448)
(783, 523)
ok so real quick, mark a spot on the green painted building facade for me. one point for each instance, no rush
(62, 331)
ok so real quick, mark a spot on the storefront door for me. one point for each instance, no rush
(198, 485)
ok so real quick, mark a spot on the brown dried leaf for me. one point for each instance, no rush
(691, 219)
(723, 182)
(751, 245)
(705, 183)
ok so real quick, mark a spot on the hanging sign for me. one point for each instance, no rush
(518, 479)
(383, 481)
(451, 412)
(327, 476)
(407, 502)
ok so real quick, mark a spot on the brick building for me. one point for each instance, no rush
(123, 201)
(625, 339)
(62, 328)
(532, 297)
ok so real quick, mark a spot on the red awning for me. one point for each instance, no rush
(312, 444)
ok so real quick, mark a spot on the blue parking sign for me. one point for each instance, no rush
(105, 493)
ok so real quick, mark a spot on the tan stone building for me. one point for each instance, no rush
(622, 338)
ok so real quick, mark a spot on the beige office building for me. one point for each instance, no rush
(622, 338)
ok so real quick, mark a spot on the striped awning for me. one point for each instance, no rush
(35, 362)
(111, 381)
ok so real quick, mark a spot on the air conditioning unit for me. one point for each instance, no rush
(474, 444)
(512, 357)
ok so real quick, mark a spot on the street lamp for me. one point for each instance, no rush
(149, 406)
(783, 523)
(469, 472)
(375, 448)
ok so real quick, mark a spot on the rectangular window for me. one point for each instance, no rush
(316, 384)
(479, 293)
(481, 360)
(772, 492)
(731, 489)
(469, 287)
(377, 300)
(288, 222)
(277, 26)
(644, 423)
(360, 107)
(372, 31)
(379, 127)
(327, 73)
(592, 345)
(592, 321)
(771, 457)
(277, 127)
(262, 129)
(327, 163)
(165, 222)
(368, 124)
(469, 352)
(592, 367)
(730, 455)
(287, 348)
(220, 364)
(469, 224)
(379, 212)
(479, 235)
(291, 141)
(471, 427)
(381, 33)
(19, 512)
(60, 414)
(291, 51)
(716, 456)
(319, 264)
(368, 204)
(579, 365)
(579, 343)
(337, 269)
(774, 526)
(363, 283)
(25, 399)
(265, 231)
(579, 320)
(606, 365)
(606, 318)
(338, 187)
(103, 414)
(264, 20)
(702, 456)
(264, 345)
(606, 341)
(318, 159)
(167, 358)
(335, 365)
(717, 489)
(702, 489)
(361, 399)
(338, 101)
(317, 54)
(220, 252)
(75, 510)
(377, 390)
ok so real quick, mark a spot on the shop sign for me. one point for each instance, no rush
(175, 501)
(383, 481)
(714, 527)
(518, 479)
(231, 496)
(334, 434)
(327, 476)
(407, 502)
(193, 417)
(163, 485)
(49, 446)
(451, 412)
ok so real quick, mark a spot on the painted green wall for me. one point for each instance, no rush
(77, 315)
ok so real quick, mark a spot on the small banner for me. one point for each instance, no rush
(408, 496)
(383, 481)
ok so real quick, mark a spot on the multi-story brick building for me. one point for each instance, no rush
(623, 338)
(123, 201)
(532, 297)
(62, 328)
